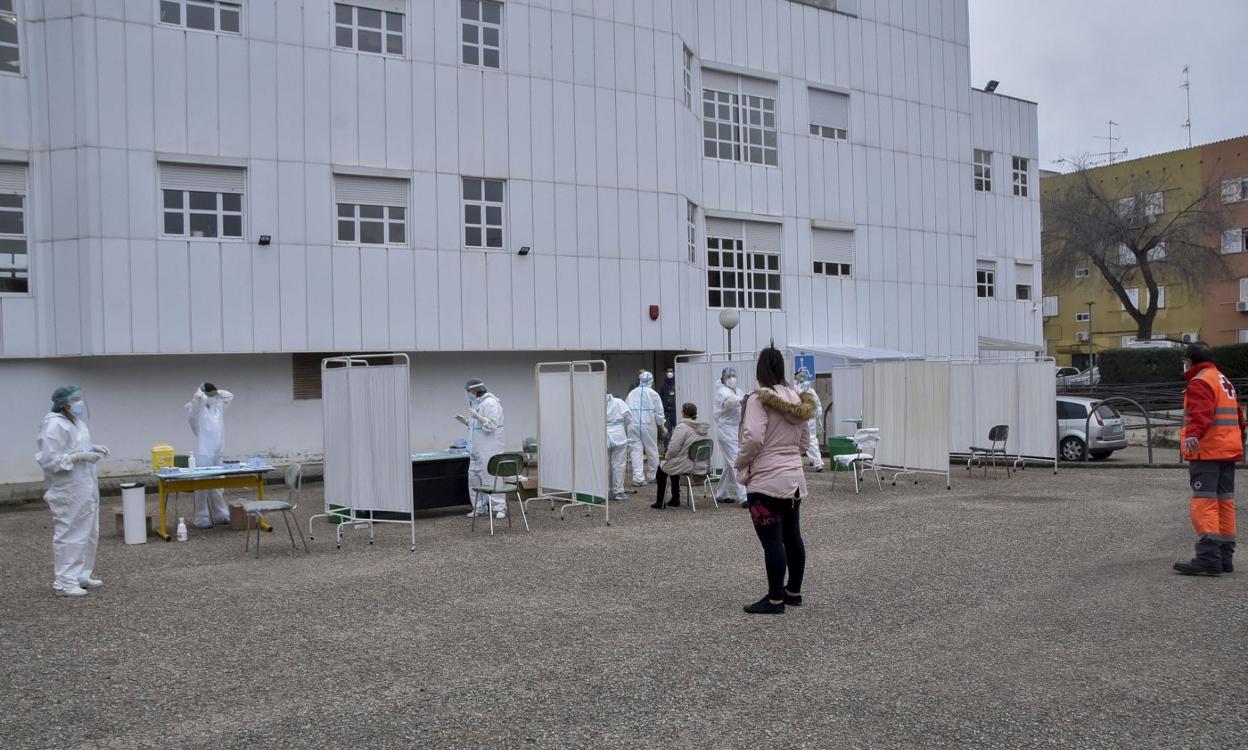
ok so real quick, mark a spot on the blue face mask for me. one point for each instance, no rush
(78, 409)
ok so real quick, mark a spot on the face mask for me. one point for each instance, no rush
(1187, 365)
(78, 409)
(670, 375)
(731, 382)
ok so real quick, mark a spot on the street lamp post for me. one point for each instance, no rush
(1090, 304)
(729, 320)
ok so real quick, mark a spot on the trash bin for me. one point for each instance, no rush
(134, 512)
(840, 446)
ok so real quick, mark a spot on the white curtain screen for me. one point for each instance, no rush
(589, 388)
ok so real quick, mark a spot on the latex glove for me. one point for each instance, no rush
(101, 449)
(662, 430)
(461, 419)
(84, 457)
(1191, 445)
(476, 415)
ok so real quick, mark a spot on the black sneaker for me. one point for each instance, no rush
(764, 607)
(674, 503)
(1228, 567)
(657, 506)
(1194, 568)
(792, 600)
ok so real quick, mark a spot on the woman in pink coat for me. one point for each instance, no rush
(774, 431)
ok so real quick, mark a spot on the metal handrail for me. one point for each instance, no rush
(1087, 425)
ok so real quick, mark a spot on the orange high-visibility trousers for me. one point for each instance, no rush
(1213, 510)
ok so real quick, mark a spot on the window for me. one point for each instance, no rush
(1126, 256)
(688, 78)
(1235, 190)
(1020, 176)
(743, 265)
(9, 58)
(739, 118)
(833, 251)
(986, 280)
(691, 221)
(368, 29)
(14, 261)
(1157, 253)
(1126, 207)
(1234, 241)
(983, 170)
(1243, 290)
(1069, 410)
(829, 114)
(1082, 317)
(1050, 307)
(370, 210)
(1082, 273)
(482, 24)
(1242, 336)
(483, 213)
(1161, 297)
(208, 15)
(1133, 294)
(1023, 275)
(201, 201)
(1154, 205)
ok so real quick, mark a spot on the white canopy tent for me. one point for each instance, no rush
(572, 434)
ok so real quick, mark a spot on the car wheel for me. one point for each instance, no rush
(1100, 455)
(1071, 449)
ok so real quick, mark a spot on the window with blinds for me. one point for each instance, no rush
(306, 375)
(370, 210)
(201, 201)
(743, 264)
(739, 118)
(832, 251)
(14, 260)
(829, 114)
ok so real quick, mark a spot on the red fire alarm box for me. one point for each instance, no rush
(654, 312)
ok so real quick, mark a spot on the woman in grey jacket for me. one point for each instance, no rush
(676, 461)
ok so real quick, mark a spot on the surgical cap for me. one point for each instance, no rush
(728, 372)
(474, 384)
(62, 395)
(645, 378)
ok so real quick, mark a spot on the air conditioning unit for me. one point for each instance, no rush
(1189, 338)
(1081, 335)
(1241, 307)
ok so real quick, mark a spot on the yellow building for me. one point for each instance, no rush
(1066, 307)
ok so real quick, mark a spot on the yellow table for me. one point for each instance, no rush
(211, 478)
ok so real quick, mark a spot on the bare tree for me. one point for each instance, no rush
(1144, 227)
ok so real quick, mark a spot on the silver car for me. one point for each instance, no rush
(1106, 429)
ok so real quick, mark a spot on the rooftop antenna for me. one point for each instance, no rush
(1111, 139)
(1187, 88)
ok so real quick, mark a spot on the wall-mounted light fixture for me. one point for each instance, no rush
(991, 87)
(265, 239)
(524, 250)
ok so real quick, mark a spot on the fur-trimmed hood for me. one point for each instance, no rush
(788, 402)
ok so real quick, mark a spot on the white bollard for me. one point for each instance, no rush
(134, 512)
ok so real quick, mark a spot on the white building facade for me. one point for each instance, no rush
(218, 190)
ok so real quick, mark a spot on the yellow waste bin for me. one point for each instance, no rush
(162, 456)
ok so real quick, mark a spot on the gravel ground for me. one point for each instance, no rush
(1035, 611)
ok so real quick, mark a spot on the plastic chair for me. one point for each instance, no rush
(700, 452)
(998, 436)
(256, 508)
(866, 441)
(501, 466)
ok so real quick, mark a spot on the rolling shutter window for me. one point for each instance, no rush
(829, 109)
(306, 375)
(714, 79)
(393, 6)
(202, 177)
(763, 237)
(758, 87)
(370, 191)
(833, 245)
(12, 178)
(725, 228)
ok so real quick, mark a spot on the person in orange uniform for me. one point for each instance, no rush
(1212, 440)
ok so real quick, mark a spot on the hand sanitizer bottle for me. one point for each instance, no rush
(190, 461)
(181, 529)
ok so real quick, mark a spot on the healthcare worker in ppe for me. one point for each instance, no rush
(619, 421)
(648, 424)
(64, 450)
(485, 440)
(206, 414)
(806, 384)
(727, 413)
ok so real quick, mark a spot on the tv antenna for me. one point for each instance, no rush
(1111, 140)
(1187, 89)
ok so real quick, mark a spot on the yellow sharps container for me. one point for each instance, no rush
(162, 456)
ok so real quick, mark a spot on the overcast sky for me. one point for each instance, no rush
(1089, 61)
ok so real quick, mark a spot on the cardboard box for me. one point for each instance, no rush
(238, 516)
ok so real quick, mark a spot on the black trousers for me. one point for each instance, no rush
(660, 478)
(777, 521)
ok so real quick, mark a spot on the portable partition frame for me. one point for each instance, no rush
(366, 403)
(909, 402)
(573, 463)
(697, 379)
(1019, 393)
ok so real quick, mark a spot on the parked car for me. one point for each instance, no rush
(1068, 376)
(1106, 429)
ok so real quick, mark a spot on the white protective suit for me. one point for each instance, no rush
(619, 422)
(72, 494)
(727, 412)
(207, 418)
(812, 450)
(647, 407)
(485, 440)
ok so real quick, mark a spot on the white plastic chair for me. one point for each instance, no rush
(866, 440)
